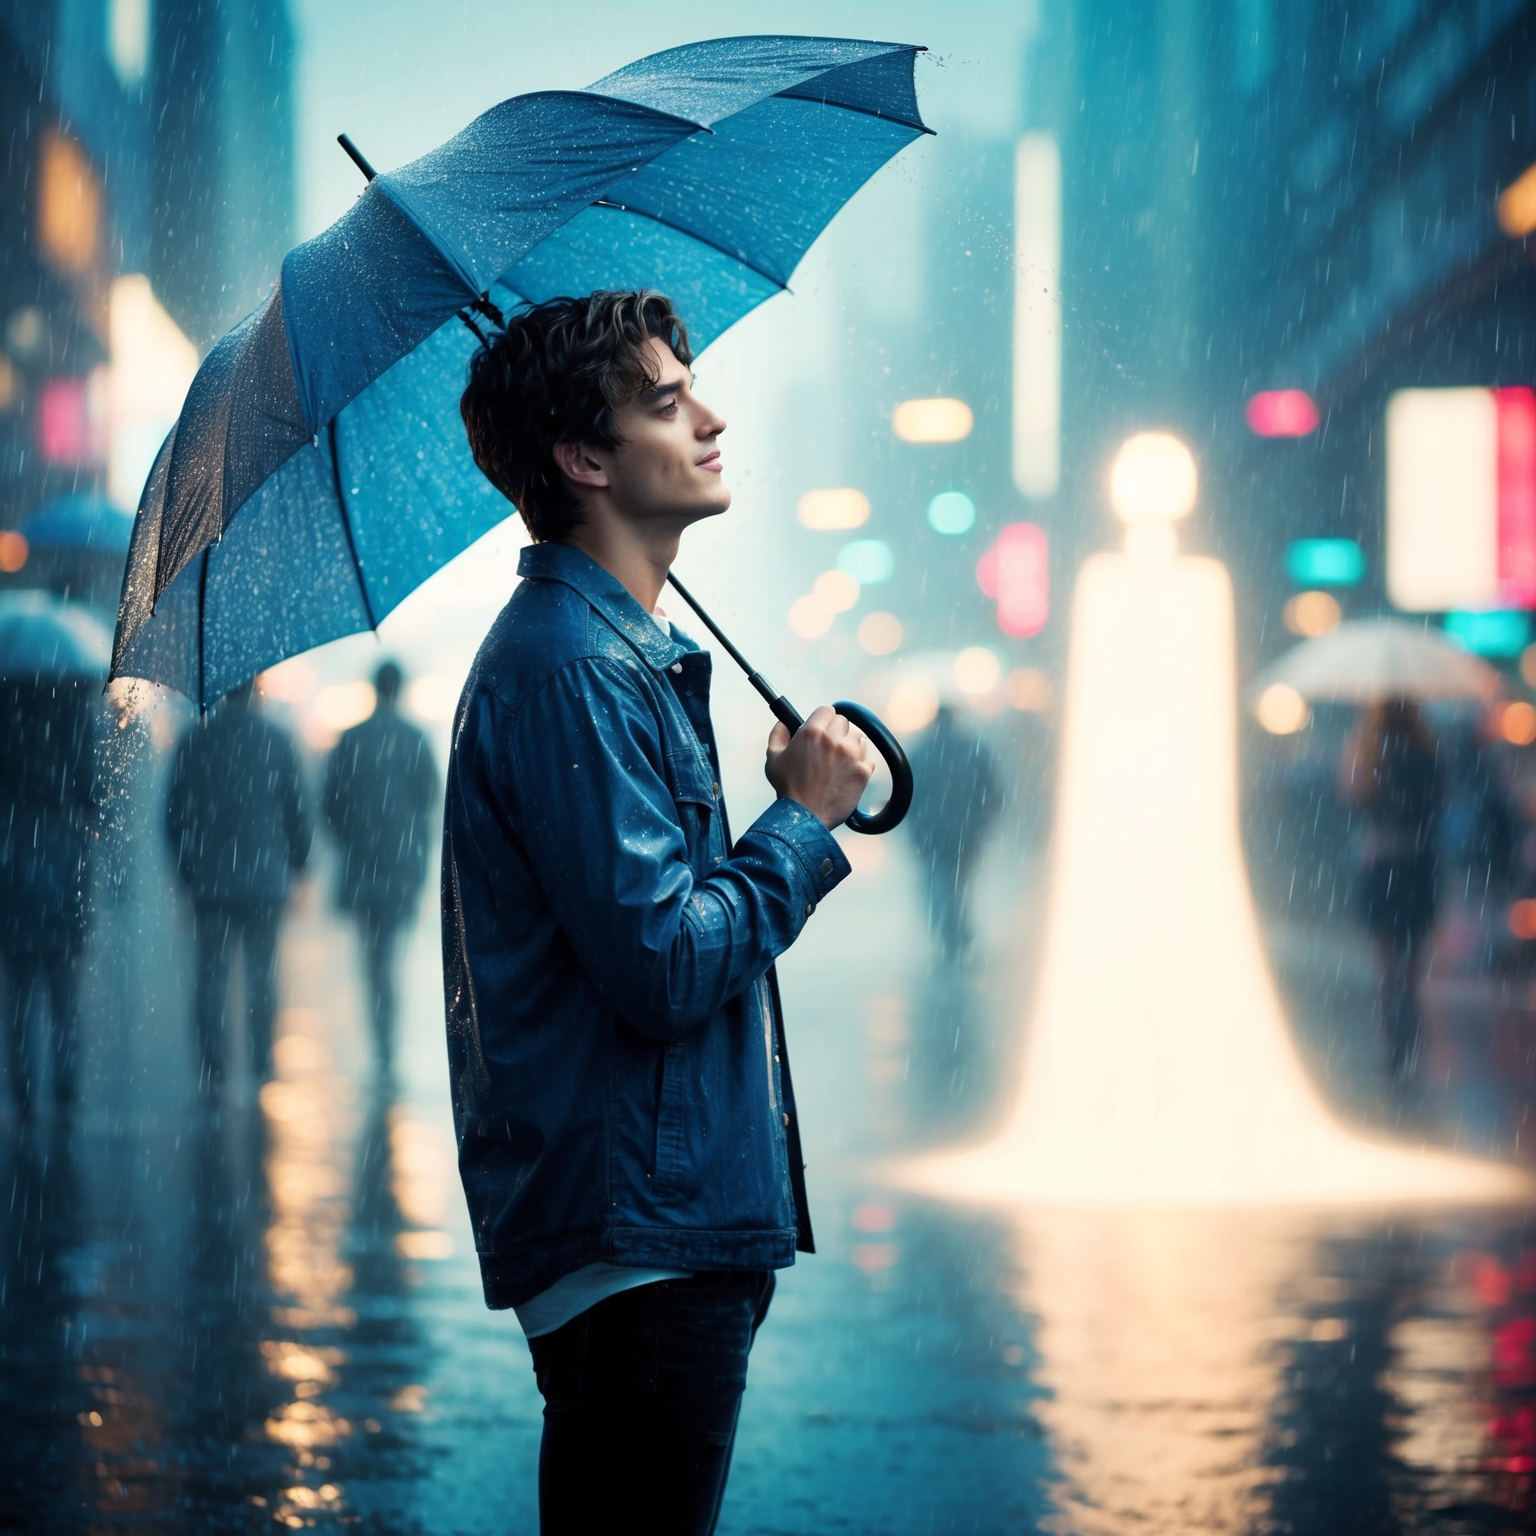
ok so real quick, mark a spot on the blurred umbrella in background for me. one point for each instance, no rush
(77, 546)
(45, 640)
(319, 471)
(1369, 659)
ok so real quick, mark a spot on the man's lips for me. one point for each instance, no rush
(711, 462)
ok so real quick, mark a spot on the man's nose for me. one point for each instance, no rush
(711, 423)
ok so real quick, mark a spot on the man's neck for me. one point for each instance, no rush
(638, 558)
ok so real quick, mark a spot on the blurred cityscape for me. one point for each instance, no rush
(1294, 238)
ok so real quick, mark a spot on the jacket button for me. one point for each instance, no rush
(826, 869)
(677, 666)
(810, 907)
(716, 789)
(786, 1119)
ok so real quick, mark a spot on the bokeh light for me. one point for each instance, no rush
(977, 671)
(1522, 918)
(1028, 690)
(833, 510)
(1311, 614)
(868, 561)
(809, 617)
(837, 589)
(1281, 710)
(913, 703)
(432, 698)
(951, 512)
(13, 551)
(1517, 723)
(939, 420)
(880, 633)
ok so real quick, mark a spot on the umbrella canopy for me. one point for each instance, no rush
(80, 521)
(1369, 659)
(319, 471)
(44, 638)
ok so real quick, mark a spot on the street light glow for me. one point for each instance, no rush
(938, 420)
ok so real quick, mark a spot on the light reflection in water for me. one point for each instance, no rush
(311, 1122)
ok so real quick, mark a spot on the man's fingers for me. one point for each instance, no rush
(778, 737)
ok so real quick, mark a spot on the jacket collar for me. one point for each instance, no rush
(580, 572)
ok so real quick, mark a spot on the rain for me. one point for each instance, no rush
(1129, 424)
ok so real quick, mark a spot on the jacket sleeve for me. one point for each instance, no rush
(583, 762)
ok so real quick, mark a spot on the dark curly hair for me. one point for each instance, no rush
(557, 374)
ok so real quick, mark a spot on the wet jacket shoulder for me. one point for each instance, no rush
(380, 788)
(621, 1087)
(236, 815)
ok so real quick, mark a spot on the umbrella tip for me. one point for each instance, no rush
(356, 156)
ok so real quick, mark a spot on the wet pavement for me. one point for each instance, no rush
(271, 1316)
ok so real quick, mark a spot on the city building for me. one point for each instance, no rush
(148, 201)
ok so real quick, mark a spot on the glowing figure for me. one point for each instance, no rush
(1159, 1068)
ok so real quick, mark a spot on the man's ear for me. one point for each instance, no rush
(576, 462)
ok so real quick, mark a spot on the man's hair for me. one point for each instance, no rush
(557, 374)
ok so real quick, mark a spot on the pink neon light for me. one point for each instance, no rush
(1517, 496)
(1282, 413)
(1015, 572)
(63, 427)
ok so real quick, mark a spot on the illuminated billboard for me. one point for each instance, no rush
(1461, 499)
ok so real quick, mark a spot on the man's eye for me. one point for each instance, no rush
(669, 408)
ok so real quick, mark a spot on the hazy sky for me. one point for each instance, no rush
(402, 75)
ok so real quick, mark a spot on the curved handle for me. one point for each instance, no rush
(890, 815)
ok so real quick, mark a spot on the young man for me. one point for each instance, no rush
(627, 1133)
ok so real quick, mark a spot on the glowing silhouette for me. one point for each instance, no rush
(1159, 1068)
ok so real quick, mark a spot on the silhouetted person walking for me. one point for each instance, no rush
(957, 800)
(239, 830)
(46, 822)
(380, 787)
(1389, 774)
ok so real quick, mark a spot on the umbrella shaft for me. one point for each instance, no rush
(783, 710)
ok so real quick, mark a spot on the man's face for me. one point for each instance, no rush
(668, 466)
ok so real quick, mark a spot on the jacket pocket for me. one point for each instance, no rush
(671, 1159)
(697, 797)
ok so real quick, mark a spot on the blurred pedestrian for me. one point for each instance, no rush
(1390, 774)
(47, 819)
(380, 787)
(957, 800)
(239, 830)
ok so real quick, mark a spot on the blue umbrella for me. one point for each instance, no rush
(46, 639)
(81, 520)
(319, 471)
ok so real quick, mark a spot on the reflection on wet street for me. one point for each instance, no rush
(270, 1315)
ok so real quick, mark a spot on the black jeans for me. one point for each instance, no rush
(641, 1395)
(380, 931)
(219, 928)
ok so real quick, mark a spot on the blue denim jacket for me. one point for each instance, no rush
(621, 1089)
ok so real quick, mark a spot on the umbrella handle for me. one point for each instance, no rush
(891, 814)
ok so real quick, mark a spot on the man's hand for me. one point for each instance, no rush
(824, 765)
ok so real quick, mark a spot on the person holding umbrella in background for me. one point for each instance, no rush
(380, 786)
(53, 655)
(1390, 774)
